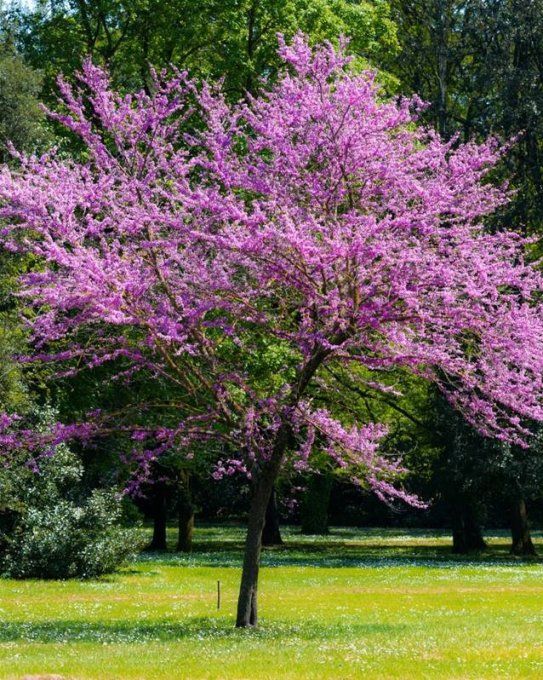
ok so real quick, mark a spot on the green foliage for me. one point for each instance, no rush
(507, 67)
(478, 65)
(22, 124)
(21, 119)
(13, 391)
(231, 39)
(51, 528)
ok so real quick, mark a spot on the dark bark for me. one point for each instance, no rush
(442, 24)
(520, 530)
(247, 614)
(160, 518)
(185, 511)
(264, 482)
(9, 519)
(271, 534)
(315, 505)
(467, 535)
(251, 43)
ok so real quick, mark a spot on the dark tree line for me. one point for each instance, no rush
(479, 64)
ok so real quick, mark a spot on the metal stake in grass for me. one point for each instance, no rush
(218, 594)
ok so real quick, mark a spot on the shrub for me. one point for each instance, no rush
(51, 528)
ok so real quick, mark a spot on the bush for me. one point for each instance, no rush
(51, 528)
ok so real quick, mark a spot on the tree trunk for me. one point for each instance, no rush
(247, 614)
(185, 515)
(251, 45)
(160, 517)
(442, 22)
(271, 534)
(315, 505)
(520, 530)
(467, 535)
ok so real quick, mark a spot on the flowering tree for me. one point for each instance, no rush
(235, 253)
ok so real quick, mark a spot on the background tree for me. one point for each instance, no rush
(22, 123)
(478, 65)
(463, 475)
(21, 119)
(508, 68)
(434, 52)
(218, 39)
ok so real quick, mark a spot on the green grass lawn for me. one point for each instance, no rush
(358, 604)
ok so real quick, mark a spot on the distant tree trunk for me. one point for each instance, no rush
(160, 518)
(520, 530)
(442, 29)
(8, 524)
(271, 534)
(185, 515)
(251, 46)
(315, 504)
(467, 535)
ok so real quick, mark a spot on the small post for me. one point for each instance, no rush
(218, 594)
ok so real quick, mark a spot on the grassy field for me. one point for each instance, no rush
(358, 604)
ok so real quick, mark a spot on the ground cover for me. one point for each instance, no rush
(358, 603)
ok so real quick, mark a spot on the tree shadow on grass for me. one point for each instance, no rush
(222, 546)
(196, 628)
(340, 554)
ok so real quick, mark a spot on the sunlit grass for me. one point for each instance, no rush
(371, 603)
